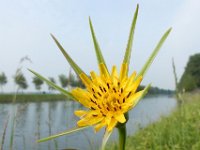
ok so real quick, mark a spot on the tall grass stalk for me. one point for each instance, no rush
(89, 139)
(4, 133)
(50, 130)
(177, 91)
(12, 132)
(24, 141)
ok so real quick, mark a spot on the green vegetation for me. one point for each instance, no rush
(20, 80)
(6, 98)
(156, 90)
(3, 80)
(53, 81)
(38, 83)
(190, 79)
(63, 80)
(25, 97)
(180, 130)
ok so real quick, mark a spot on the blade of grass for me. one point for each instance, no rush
(76, 68)
(175, 75)
(153, 54)
(61, 134)
(127, 55)
(12, 132)
(145, 91)
(99, 55)
(105, 139)
(63, 91)
(24, 141)
(4, 133)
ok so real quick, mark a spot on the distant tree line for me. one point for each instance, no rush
(156, 90)
(19, 79)
(190, 79)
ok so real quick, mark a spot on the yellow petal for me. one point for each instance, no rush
(107, 119)
(80, 113)
(88, 121)
(123, 71)
(114, 73)
(114, 76)
(135, 85)
(82, 96)
(120, 117)
(99, 126)
(103, 71)
(93, 75)
(135, 98)
(112, 124)
(85, 79)
(130, 80)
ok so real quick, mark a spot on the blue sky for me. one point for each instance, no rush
(26, 26)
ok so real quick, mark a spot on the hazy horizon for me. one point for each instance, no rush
(26, 26)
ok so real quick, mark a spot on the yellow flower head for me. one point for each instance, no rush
(108, 97)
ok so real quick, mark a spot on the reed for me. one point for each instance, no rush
(4, 133)
(12, 132)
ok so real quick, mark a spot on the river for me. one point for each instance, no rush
(40, 119)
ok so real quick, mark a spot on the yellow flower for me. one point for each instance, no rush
(108, 97)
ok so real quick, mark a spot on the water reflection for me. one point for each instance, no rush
(37, 120)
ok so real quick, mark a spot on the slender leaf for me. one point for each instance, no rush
(96, 45)
(105, 139)
(62, 133)
(76, 68)
(4, 133)
(63, 91)
(127, 55)
(154, 53)
(12, 132)
(145, 91)
(175, 75)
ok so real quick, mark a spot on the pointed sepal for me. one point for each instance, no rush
(76, 68)
(127, 55)
(153, 54)
(144, 92)
(63, 91)
(99, 55)
(76, 129)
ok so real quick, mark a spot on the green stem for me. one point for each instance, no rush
(122, 136)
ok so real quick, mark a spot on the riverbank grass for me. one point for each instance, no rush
(33, 97)
(181, 130)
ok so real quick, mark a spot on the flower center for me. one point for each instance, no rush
(108, 98)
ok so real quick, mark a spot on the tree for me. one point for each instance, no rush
(20, 80)
(3, 80)
(187, 83)
(79, 82)
(37, 82)
(191, 76)
(52, 80)
(63, 80)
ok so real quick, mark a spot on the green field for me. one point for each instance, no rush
(180, 130)
(7, 98)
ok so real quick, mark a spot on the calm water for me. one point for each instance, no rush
(37, 120)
